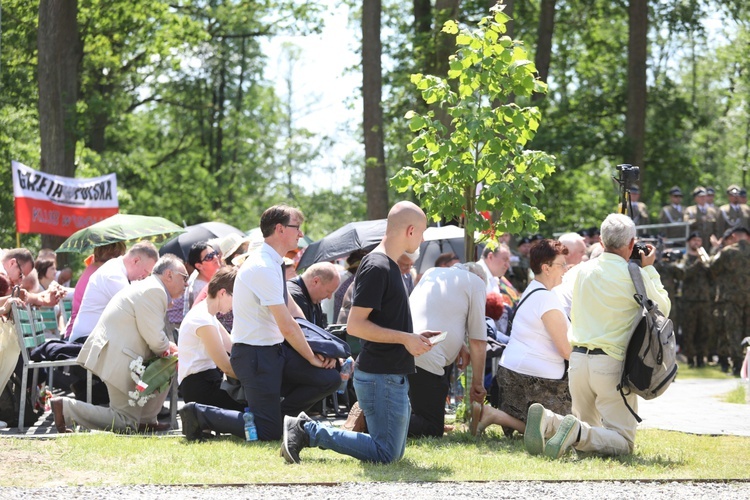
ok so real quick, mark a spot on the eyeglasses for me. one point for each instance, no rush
(184, 276)
(561, 264)
(210, 256)
(297, 226)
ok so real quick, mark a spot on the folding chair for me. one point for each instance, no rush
(47, 317)
(66, 305)
(31, 335)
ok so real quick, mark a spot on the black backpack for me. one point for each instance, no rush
(650, 363)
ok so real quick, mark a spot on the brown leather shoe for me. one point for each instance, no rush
(356, 421)
(56, 404)
(155, 427)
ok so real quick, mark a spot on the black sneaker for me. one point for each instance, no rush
(191, 428)
(294, 437)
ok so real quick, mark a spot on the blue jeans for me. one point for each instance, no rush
(384, 399)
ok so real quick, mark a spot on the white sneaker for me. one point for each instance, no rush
(3, 425)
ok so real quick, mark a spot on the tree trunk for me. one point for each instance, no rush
(59, 60)
(376, 188)
(445, 44)
(544, 41)
(422, 10)
(635, 119)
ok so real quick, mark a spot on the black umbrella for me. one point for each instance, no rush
(180, 246)
(343, 241)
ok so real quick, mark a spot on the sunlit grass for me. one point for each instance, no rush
(736, 396)
(704, 372)
(103, 458)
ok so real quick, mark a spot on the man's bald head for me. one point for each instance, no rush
(405, 226)
(404, 214)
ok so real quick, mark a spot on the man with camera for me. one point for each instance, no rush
(602, 315)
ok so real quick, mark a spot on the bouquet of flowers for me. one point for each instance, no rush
(154, 375)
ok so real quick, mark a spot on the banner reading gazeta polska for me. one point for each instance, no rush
(50, 204)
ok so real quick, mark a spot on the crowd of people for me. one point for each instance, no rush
(560, 308)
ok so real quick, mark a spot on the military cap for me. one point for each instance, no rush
(537, 237)
(635, 189)
(710, 191)
(593, 231)
(694, 234)
(740, 229)
(743, 192)
(675, 191)
(583, 232)
(524, 240)
(699, 191)
(733, 190)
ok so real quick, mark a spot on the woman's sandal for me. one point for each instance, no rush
(476, 417)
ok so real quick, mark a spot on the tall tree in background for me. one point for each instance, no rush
(376, 189)
(635, 117)
(544, 41)
(59, 62)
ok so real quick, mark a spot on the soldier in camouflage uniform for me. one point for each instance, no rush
(697, 305)
(730, 269)
(671, 274)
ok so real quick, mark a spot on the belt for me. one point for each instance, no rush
(586, 350)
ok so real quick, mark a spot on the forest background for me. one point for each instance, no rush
(172, 96)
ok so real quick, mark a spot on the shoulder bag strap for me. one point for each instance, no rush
(512, 316)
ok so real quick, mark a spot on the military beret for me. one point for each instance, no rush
(699, 191)
(733, 190)
(593, 231)
(675, 191)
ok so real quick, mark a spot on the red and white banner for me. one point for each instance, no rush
(50, 204)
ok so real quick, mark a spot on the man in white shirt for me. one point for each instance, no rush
(113, 276)
(268, 346)
(602, 316)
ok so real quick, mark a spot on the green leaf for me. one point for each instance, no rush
(450, 27)
(463, 39)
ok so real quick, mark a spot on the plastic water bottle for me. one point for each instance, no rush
(251, 432)
(347, 368)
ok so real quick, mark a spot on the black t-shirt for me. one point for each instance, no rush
(313, 312)
(378, 285)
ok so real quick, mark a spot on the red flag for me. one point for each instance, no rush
(50, 204)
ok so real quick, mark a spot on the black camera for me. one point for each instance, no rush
(671, 256)
(636, 254)
(628, 175)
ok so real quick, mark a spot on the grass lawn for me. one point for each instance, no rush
(104, 458)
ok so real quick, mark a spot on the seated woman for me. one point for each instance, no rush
(203, 345)
(532, 367)
(101, 255)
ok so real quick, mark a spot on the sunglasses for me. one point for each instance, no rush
(210, 256)
(184, 276)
